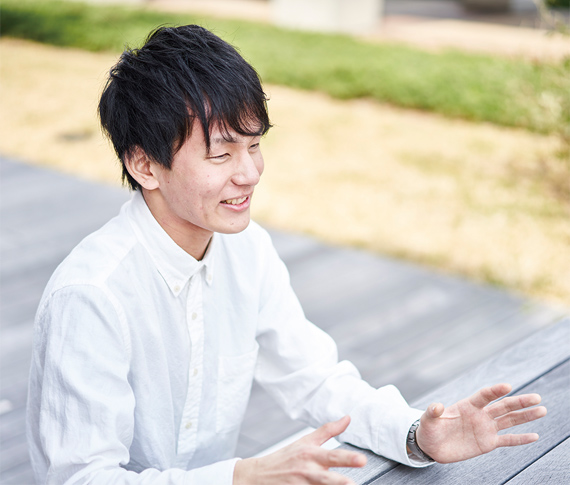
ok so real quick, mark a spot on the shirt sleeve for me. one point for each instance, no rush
(80, 406)
(298, 366)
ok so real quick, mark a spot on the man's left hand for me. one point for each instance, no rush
(470, 427)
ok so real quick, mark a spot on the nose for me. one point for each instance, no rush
(249, 169)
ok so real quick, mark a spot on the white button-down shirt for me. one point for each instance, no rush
(144, 358)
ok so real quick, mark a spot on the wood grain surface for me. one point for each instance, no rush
(553, 468)
(540, 363)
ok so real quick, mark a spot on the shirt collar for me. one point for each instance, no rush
(174, 264)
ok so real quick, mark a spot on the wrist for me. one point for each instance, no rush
(244, 472)
(413, 446)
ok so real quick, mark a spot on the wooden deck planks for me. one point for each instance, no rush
(503, 463)
(539, 363)
(551, 469)
(376, 308)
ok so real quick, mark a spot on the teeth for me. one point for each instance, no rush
(235, 201)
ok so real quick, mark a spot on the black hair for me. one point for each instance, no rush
(154, 94)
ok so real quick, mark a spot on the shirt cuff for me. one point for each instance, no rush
(381, 424)
(409, 459)
(418, 462)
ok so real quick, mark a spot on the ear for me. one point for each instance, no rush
(142, 169)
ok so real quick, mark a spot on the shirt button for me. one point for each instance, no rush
(177, 288)
(209, 277)
(195, 373)
(194, 316)
(188, 424)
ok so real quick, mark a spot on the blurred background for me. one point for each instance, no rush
(431, 130)
(435, 132)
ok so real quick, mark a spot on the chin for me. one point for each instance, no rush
(234, 228)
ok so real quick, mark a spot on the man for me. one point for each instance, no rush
(150, 333)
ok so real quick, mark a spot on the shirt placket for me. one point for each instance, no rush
(187, 439)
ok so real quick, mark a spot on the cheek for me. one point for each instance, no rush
(209, 187)
(209, 192)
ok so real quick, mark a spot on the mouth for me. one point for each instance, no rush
(239, 201)
(238, 204)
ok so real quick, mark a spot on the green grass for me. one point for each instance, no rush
(475, 87)
(558, 3)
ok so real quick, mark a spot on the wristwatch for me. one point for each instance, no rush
(413, 444)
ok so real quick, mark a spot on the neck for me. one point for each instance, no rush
(193, 239)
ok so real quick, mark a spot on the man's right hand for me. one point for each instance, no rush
(302, 462)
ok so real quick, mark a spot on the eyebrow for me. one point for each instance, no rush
(221, 140)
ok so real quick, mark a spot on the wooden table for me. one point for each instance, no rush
(539, 363)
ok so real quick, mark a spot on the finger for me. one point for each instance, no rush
(488, 394)
(340, 458)
(516, 439)
(434, 411)
(327, 431)
(513, 403)
(520, 417)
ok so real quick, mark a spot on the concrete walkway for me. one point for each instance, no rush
(398, 323)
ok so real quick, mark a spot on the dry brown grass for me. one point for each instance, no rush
(466, 198)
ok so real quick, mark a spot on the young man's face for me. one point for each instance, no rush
(206, 192)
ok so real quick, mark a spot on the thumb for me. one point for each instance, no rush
(434, 411)
(327, 431)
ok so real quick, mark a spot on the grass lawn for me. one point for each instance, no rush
(468, 86)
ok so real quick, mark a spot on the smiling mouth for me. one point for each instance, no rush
(239, 201)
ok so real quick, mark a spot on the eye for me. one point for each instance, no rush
(254, 147)
(219, 158)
